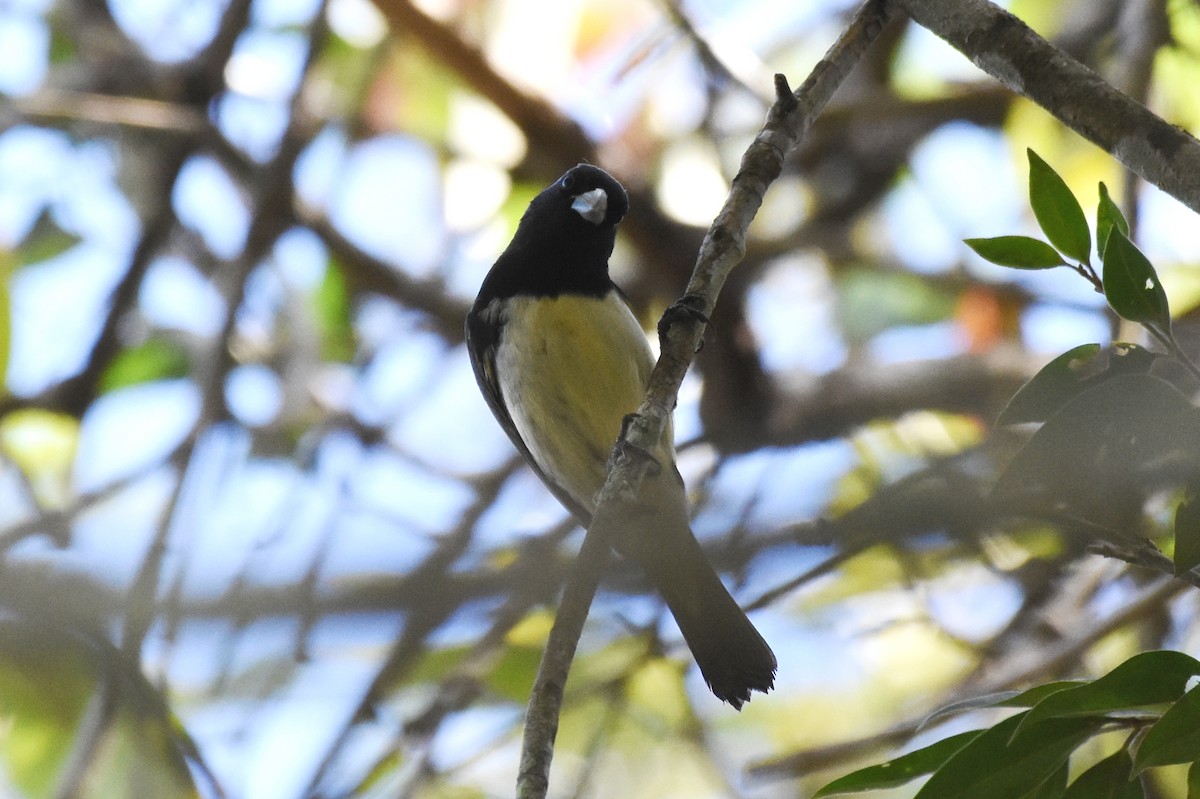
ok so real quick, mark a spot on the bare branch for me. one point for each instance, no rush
(721, 251)
(1008, 50)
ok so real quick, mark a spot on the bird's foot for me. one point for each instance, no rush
(690, 307)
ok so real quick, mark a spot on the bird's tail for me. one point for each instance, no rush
(733, 657)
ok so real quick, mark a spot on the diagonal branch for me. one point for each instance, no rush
(723, 248)
(1007, 49)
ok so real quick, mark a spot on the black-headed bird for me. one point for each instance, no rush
(561, 360)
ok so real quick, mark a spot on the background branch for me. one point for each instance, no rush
(1008, 50)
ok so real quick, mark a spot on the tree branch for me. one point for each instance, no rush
(1008, 50)
(723, 247)
(539, 120)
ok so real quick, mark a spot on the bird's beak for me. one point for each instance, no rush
(591, 205)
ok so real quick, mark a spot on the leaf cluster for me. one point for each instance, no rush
(1112, 429)
(1027, 755)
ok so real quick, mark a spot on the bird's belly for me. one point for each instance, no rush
(583, 364)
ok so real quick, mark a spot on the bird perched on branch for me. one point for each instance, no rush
(561, 360)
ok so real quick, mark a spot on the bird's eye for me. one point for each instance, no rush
(568, 182)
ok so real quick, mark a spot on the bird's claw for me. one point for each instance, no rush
(689, 306)
(630, 451)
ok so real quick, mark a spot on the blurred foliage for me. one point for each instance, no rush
(80, 721)
(260, 537)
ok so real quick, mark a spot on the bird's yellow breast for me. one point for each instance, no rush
(570, 369)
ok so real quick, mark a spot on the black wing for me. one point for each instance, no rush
(483, 339)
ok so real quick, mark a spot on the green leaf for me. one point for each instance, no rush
(1111, 778)
(1053, 386)
(1128, 431)
(1018, 252)
(1069, 375)
(995, 766)
(874, 300)
(514, 672)
(75, 709)
(1187, 533)
(1057, 211)
(900, 770)
(1037, 693)
(1148, 678)
(1193, 781)
(1053, 786)
(156, 359)
(1174, 738)
(1027, 698)
(332, 306)
(1131, 285)
(1108, 216)
(42, 444)
(45, 240)
(62, 48)
(39, 723)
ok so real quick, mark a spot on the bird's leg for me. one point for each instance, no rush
(625, 450)
(689, 307)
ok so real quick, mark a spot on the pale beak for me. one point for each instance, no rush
(591, 205)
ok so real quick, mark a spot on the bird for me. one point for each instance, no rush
(561, 360)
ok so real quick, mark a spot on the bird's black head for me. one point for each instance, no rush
(564, 239)
(592, 193)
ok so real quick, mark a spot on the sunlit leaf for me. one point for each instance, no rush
(1057, 211)
(900, 770)
(1148, 678)
(45, 240)
(513, 674)
(42, 444)
(1131, 285)
(331, 303)
(155, 359)
(1018, 252)
(996, 766)
(50, 682)
(382, 773)
(38, 722)
(1111, 778)
(437, 664)
(532, 630)
(1108, 216)
(1174, 738)
(657, 695)
(63, 47)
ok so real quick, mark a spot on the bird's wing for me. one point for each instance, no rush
(483, 338)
